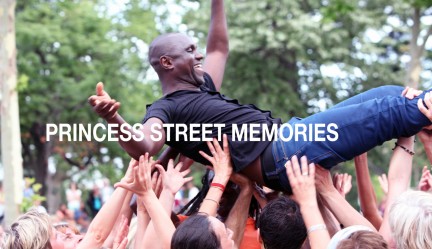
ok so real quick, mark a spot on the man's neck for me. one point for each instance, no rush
(174, 86)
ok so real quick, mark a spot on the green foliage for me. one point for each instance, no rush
(34, 199)
(64, 49)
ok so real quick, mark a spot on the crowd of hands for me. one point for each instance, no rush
(155, 188)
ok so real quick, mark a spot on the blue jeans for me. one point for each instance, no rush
(364, 121)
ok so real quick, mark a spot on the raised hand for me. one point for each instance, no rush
(102, 103)
(425, 183)
(343, 183)
(221, 159)
(427, 111)
(173, 179)
(411, 93)
(323, 180)
(141, 184)
(382, 179)
(302, 180)
(129, 175)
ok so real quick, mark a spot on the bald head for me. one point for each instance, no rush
(167, 44)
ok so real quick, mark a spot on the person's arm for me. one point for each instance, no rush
(125, 214)
(173, 179)
(222, 167)
(399, 179)
(142, 224)
(343, 211)
(101, 226)
(142, 186)
(140, 140)
(425, 136)
(425, 183)
(366, 191)
(237, 217)
(302, 181)
(217, 44)
(121, 240)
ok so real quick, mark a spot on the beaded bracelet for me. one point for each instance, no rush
(412, 153)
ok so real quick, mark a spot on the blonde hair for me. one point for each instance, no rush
(410, 220)
(31, 230)
(364, 240)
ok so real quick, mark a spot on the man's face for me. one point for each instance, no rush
(187, 60)
(67, 240)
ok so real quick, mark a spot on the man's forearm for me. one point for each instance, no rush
(218, 31)
(238, 215)
(137, 144)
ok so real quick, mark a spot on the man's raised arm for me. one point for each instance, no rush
(217, 44)
(140, 140)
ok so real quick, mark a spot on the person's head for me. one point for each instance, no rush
(73, 185)
(410, 220)
(364, 240)
(281, 225)
(357, 236)
(204, 232)
(33, 230)
(174, 56)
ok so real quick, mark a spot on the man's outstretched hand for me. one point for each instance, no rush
(102, 103)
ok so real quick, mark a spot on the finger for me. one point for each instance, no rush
(92, 100)
(304, 166)
(295, 166)
(113, 110)
(312, 170)
(217, 145)
(417, 93)
(100, 89)
(154, 180)
(422, 108)
(123, 244)
(170, 165)
(427, 100)
(226, 145)
(211, 148)
(188, 179)
(127, 186)
(179, 166)
(184, 173)
(290, 172)
(404, 92)
(161, 170)
(209, 158)
(424, 169)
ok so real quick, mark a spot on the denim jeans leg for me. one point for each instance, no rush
(374, 93)
(361, 127)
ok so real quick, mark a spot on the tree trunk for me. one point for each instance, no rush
(10, 126)
(54, 188)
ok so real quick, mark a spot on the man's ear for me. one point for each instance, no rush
(166, 62)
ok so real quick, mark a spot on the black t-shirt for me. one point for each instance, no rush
(208, 106)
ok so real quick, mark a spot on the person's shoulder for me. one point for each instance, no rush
(208, 83)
